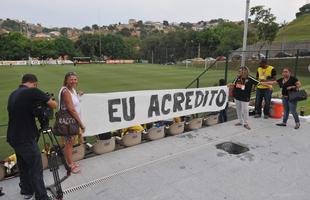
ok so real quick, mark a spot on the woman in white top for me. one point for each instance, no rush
(69, 99)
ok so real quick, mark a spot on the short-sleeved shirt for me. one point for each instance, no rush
(243, 88)
(290, 82)
(22, 125)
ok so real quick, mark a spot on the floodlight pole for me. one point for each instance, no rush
(245, 32)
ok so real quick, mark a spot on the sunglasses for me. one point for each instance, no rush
(71, 74)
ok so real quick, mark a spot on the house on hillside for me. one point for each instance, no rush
(55, 34)
(2, 31)
(42, 36)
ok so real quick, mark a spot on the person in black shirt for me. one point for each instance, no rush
(223, 113)
(288, 83)
(243, 86)
(22, 134)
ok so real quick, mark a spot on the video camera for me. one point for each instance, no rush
(43, 112)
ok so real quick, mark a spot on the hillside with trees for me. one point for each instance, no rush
(297, 30)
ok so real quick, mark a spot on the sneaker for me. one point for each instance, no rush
(27, 196)
(281, 124)
(256, 116)
(266, 116)
(238, 124)
(247, 126)
(297, 125)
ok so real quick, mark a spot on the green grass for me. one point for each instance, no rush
(297, 30)
(111, 78)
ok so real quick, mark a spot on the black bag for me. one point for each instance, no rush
(298, 95)
(65, 124)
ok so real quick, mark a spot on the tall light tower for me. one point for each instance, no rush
(245, 32)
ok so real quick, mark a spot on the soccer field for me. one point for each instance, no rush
(107, 78)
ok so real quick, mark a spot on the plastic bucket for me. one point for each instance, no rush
(276, 108)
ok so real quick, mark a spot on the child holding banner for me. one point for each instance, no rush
(242, 88)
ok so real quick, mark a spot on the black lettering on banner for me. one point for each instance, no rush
(132, 106)
(198, 101)
(166, 97)
(188, 100)
(154, 106)
(111, 103)
(178, 98)
(206, 98)
(220, 102)
(213, 92)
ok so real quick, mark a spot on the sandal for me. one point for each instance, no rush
(75, 169)
(76, 164)
(247, 126)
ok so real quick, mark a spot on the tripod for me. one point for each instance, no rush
(53, 150)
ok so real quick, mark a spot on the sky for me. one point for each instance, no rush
(80, 13)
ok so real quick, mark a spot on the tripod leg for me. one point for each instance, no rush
(55, 189)
(62, 156)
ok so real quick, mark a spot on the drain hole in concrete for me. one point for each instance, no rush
(232, 148)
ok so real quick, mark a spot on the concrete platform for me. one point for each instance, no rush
(188, 167)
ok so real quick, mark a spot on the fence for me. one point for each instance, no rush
(298, 60)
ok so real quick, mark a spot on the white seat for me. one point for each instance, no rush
(176, 128)
(155, 133)
(78, 153)
(2, 172)
(131, 139)
(44, 160)
(194, 124)
(104, 146)
(211, 120)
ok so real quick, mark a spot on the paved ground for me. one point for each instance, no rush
(189, 166)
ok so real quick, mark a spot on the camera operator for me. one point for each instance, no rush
(22, 133)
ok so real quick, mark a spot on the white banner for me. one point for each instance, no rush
(104, 112)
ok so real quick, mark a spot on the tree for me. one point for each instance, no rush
(303, 10)
(186, 25)
(64, 30)
(43, 49)
(11, 25)
(95, 27)
(14, 46)
(230, 37)
(125, 32)
(265, 25)
(64, 47)
(86, 28)
(86, 44)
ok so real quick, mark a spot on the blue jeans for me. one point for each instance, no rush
(289, 106)
(29, 163)
(262, 94)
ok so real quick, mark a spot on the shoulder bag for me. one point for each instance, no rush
(65, 124)
(298, 95)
